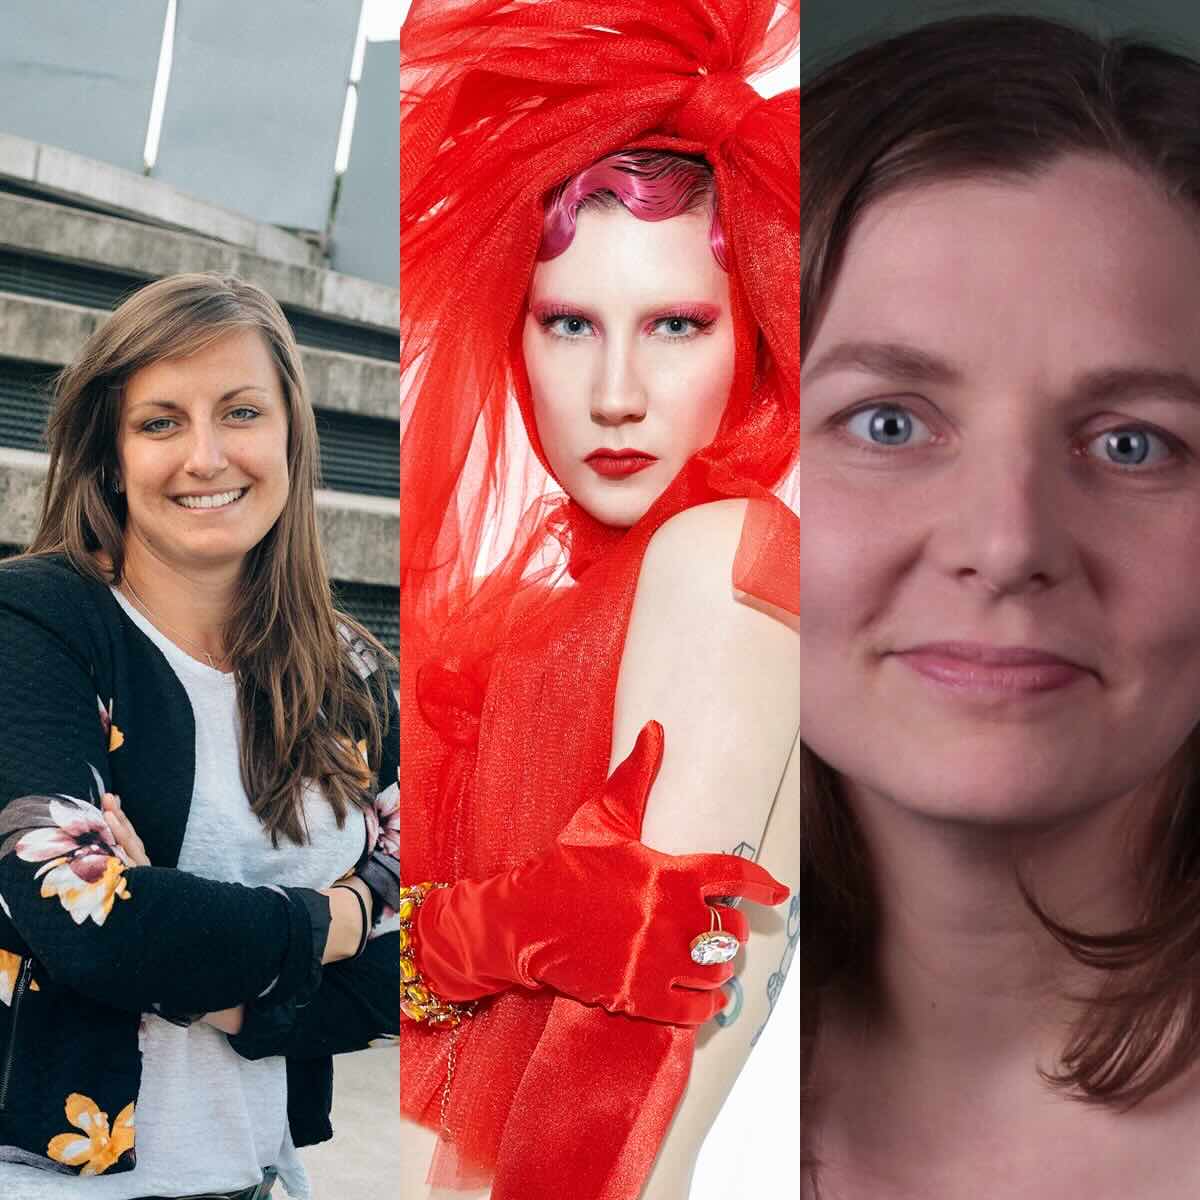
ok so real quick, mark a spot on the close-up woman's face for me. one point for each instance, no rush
(629, 347)
(1000, 445)
(202, 451)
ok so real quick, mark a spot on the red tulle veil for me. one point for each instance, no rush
(514, 602)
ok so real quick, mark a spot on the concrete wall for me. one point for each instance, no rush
(366, 232)
(255, 104)
(80, 75)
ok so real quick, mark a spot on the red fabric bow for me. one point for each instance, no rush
(714, 109)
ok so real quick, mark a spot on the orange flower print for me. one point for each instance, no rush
(94, 1148)
(10, 966)
(116, 739)
(84, 866)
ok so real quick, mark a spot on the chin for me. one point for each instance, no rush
(618, 506)
(1005, 792)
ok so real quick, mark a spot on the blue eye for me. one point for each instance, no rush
(149, 426)
(884, 425)
(253, 412)
(676, 326)
(1132, 446)
(569, 326)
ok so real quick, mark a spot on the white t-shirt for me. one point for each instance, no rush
(207, 1119)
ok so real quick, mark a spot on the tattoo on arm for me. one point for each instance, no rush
(733, 989)
(732, 1010)
(775, 982)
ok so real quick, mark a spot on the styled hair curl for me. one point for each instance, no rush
(653, 185)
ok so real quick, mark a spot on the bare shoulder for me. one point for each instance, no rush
(699, 542)
(687, 591)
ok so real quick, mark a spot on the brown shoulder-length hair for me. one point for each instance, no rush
(303, 703)
(1003, 97)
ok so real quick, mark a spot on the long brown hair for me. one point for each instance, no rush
(1004, 97)
(303, 703)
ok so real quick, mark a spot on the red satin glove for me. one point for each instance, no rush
(599, 917)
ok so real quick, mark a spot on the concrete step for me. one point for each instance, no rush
(119, 244)
(100, 185)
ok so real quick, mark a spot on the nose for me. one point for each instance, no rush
(205, 453)
(1007, 531)
(619, 393)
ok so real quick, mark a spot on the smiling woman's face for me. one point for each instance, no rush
(202, 452)
(629, 347)
(969, 484)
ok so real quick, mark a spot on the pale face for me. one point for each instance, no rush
(984, 502)
(205, 425)
(630, 351)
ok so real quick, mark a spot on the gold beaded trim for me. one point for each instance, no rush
(417, 1001)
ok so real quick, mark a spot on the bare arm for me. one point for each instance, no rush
(722, 677)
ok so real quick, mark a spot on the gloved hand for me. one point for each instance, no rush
(599, 917)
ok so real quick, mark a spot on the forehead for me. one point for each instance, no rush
(238, 358)
(1086, 261)
(614, 253)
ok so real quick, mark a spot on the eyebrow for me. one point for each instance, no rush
(171, 406)
(545, 305)
(910, 364)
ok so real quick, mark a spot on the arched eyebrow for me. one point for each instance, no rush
(903, 363)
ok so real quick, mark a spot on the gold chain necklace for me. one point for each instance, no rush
(160, 622)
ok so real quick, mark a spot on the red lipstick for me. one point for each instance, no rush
(617, 464)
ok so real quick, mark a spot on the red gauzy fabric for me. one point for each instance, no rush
(511, 641)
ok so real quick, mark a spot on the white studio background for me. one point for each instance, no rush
(752, 1151)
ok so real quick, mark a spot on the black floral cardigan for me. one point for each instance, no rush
(88, 704)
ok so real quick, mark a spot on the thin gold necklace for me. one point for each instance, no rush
(159, 621)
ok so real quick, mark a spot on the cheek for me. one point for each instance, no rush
(266, 455)
(144, 466)
(1155, 612)
(853, 545)
(694, 386)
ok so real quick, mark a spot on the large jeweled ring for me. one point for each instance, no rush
(715, 946)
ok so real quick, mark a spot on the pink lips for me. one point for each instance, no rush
(616, 464)
(979, 668)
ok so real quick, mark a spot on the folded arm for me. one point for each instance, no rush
(135, 938)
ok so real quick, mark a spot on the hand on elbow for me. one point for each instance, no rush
(600, 917)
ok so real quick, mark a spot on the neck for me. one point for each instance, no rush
(967, 977)
(192, 604)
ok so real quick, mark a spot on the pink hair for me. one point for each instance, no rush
(652, 184)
